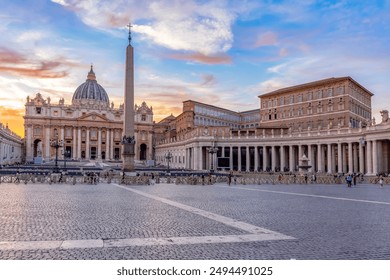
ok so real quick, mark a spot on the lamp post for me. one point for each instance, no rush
(212, 151)
(168, 157)
(55, 143)
(66, 155)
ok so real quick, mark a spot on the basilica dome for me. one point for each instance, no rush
(90, 92)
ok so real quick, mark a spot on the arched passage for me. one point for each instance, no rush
(37, 148)
(142, 154)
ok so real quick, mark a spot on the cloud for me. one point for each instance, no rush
(197, 26)
(266, 39)
(201, 58)
(15, 63)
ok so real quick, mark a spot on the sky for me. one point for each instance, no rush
(219, 52)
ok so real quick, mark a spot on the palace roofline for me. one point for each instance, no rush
(312, 84)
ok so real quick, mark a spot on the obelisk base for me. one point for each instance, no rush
(128, 157)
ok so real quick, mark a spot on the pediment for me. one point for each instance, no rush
(93, 117)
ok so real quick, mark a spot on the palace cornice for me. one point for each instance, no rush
(323, 82)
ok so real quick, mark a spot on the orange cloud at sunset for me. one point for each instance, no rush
(14, 119)
(15, 63)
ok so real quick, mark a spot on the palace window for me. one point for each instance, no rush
(38, 110)
(330, 92)
(319, 94)
(143, 117)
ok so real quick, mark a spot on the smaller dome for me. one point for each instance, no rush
(90, 91)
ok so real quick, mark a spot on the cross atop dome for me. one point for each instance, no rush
(91, 74)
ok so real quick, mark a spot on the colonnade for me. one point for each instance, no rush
(355, 156)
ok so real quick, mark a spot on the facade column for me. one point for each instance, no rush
(350, 158)
(74, 149)
(361, 157)
(339, 158)
(329, 157)
(291, 158)
(273, 158)
(319, 158)
(369, 157)
(87, 144)
(256, 159)
(29, 151)
(99, 151)
(375, 157)
(231, 158)
(239, 159)
(47, 143)
(107, 144)
(282, 158)
(79, 142)
(248, 159)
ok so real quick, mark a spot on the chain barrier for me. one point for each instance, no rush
(241, 179)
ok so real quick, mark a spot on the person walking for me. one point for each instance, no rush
(381, 182)
(349, 181)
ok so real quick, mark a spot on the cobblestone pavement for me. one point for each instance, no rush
(166, 221)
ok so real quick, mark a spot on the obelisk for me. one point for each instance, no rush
(128, 139)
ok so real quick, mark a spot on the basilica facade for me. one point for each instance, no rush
(90, 128)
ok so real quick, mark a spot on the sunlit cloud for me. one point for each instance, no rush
(189, 25)
(18, 64)
(201, 58)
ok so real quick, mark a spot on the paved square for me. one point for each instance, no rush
(166, 221)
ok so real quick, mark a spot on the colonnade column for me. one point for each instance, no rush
(200, 163)
(231, 158)
(248, 159)
(282, 158)
(339, 158)
(361, 158)
(256, 158)
(369, 157)
(375, 157)
(355, 149)
(350, 158)
(319, 158)
(291, 157)
(239, 158)
(265, 158)
(329, 157)
(310, 158)
(273, 158)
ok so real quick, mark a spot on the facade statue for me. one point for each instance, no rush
(385, 116)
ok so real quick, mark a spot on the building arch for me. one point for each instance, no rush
(143, 151)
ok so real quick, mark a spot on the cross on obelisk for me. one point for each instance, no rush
(128, 139)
